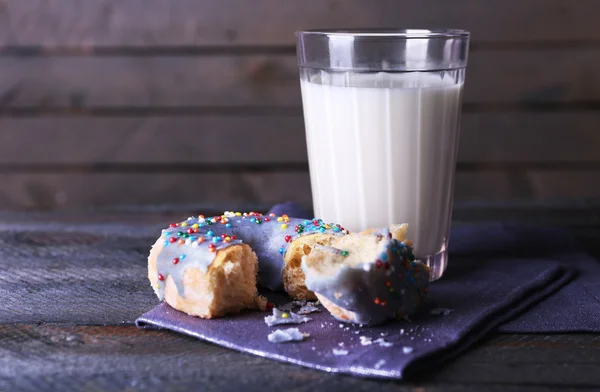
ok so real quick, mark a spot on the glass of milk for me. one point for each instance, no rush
(382, 116)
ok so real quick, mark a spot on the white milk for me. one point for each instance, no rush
(384, 155)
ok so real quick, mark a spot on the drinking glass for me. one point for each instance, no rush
(382, 117)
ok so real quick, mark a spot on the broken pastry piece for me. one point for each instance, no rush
(212, 286)
(367, 278)
(210, 266)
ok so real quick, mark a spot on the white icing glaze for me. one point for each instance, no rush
(195, 242)
(388, 287)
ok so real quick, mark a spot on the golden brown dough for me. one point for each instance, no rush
(293, 276)
(228, 286)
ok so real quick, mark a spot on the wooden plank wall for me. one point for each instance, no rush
(108, 102)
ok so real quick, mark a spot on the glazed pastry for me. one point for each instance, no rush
(367, 278)
(208, 266)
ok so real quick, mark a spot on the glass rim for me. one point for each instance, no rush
(386, 33)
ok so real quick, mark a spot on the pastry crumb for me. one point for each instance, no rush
(286, 335)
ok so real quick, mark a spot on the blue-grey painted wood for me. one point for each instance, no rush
(108, 23)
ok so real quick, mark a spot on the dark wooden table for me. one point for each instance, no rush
(72, 284)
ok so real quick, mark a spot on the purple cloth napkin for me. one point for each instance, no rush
(495, 273)
(575, 307)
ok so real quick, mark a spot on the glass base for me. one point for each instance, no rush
(437, 263)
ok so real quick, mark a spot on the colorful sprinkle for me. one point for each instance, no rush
(284, 226)
(176, 260)
(161, 277)
(378, 264)
(377, 300)
(210, 233)
(288, 238)
(285, 315)
(344, 253)
(281, 250)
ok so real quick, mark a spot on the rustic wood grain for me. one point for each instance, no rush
(76, 189)
(91, 274)
(110, 358)
(485, 137)
(79, 189)
(511, 185)
(92, 23)
(493, 76)
(203, 139)
(529, 360)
